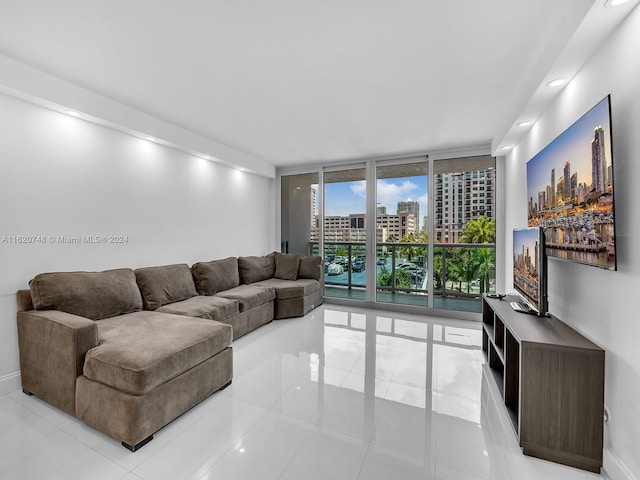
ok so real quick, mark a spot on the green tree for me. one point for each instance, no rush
(439, 284)
(470, 266)
(480, 261)
(486, 267)
(384, 279)
(480, 230)
(409, 251)
(456, 259)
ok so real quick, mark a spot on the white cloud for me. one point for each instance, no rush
(389, 194)
(359, 188)
(424, 207)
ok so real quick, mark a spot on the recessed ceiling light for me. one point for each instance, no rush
(614, 3)
(242, 169)
(73, 113)
(556, 83)
(526, 123)
(151, 139)
(206, 157)
(506, 147)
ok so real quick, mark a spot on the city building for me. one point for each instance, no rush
(461, 197)
(409, 206)
(352, 228)
(599, 168)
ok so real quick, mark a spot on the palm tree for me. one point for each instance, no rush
(487, 267)
(407, 250)
(480, 230)
(481, 261)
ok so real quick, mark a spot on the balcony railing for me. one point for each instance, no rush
(460, 270)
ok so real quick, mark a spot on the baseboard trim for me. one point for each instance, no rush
(9, 383)
(615, 468)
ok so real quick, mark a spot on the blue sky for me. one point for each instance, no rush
(350, 197)
(527, 238)
(574, 145)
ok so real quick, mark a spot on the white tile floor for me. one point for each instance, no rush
(342, 393)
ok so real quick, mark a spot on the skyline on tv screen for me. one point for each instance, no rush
(526, 252)
(570, 191)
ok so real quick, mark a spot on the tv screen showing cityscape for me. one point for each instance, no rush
(570, 191)
(528, 266)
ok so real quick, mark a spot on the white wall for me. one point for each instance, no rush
(599, 303)
(60, 175)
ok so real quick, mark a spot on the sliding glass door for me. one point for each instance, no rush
(401, 233)
(464, 231)
(345, 233)
(416, 232)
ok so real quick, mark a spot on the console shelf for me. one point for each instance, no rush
(551, 379)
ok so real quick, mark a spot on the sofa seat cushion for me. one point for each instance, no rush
(249, 296)
(140, 351)
(291, 288)
(211, 308)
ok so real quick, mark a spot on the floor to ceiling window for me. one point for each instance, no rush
(432, 244)
(401, 233)
(464, 218)
(345, 233)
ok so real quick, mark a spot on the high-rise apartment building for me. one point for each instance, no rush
(460, 197)
(409, 206)
(552, 198)
(566, 193)
(599, 168)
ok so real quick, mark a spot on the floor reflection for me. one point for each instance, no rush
(341, 393)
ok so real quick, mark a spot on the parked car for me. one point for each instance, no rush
(335, 269)
(381, 261)
(409, 267)
(357, 266)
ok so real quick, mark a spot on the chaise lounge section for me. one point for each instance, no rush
(87, 347)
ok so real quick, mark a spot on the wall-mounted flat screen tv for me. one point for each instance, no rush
(530, 268)
(570, 191)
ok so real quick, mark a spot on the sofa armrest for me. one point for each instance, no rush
(52, 346)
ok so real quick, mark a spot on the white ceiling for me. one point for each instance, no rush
(295, 81)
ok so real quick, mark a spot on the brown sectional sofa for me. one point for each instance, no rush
(129, 351)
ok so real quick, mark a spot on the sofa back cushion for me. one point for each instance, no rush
(165, 284)
(93, 295)
(311, 267)
(286, 266)
(255, 269)
(216, 276)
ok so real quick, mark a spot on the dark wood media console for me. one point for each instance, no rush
(551, 379)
